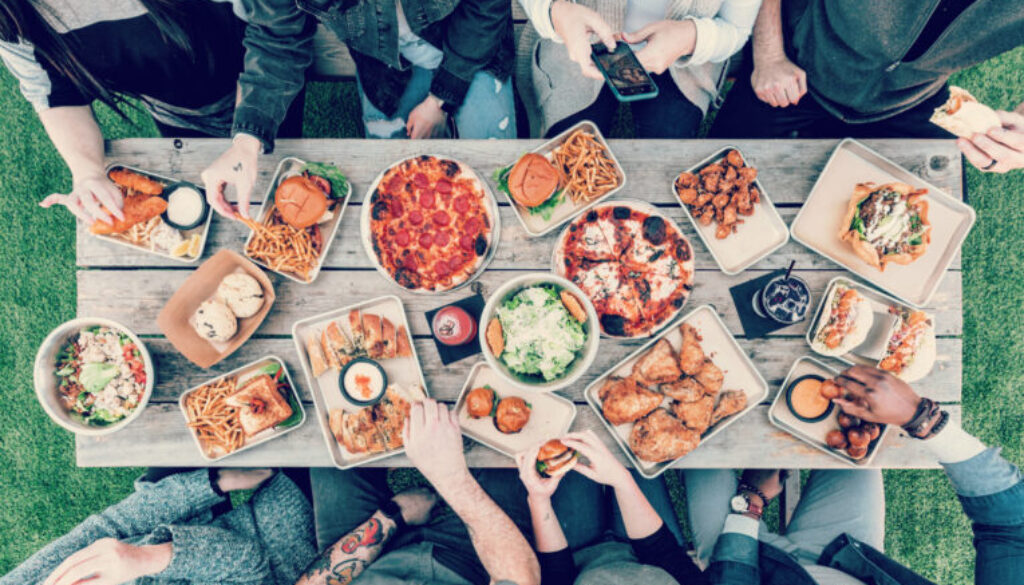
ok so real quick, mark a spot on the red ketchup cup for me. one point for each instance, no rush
(453, 326)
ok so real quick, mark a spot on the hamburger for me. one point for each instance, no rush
(511, 415)
(554, 459)
(301, 201)
(480, 402)
(965, 116)
(533, 180)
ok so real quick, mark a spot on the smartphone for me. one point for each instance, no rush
(623, 72)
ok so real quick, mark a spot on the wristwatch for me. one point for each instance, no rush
(394, 513)
(742, 504)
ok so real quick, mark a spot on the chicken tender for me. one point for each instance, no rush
(685, 390)
(691, 356)
(729, 403)
(695, 415)
(657, 366)
(624, 401)
(662, 437)
(710, 376)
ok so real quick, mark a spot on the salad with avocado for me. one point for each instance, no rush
(102, 376)
(541, 336)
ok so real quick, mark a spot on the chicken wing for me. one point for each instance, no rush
(658, 365)
(662, 437)
(695, 415)
(691, 356)
(710, 376)
(729, 403)
(685, 390)
(624, 401)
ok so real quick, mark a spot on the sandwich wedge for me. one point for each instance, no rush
(911, 350)
(965, 116)
(260, 405)
(554, 459)
(887, 223)
(845, 322)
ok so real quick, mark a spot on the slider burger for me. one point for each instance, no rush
(554, 459)
(302, 200)
(533, 180)
(965, 116)
(511, 415)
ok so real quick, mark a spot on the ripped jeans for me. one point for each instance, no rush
(488, 110)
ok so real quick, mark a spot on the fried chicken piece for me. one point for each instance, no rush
(731, 174)
(748, 174)
(662, 437)
(691, 356)
(688, 195)
(734, 158)
(695, 415)
(729, 403)
(624, 401)
(742, 200)
(686, 390)
(704, 198)
(723, 230)
(729, 214)
(712, 169)
(720, 200)
(657, 366)
(710, 182)
(686, 180)
(710, 376)
(755, 195)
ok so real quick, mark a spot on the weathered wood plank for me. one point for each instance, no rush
(773, 358)
(159, 438)
(516, 250)
(788, 168)
(135, 297)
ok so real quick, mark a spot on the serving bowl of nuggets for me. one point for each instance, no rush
(679, 390)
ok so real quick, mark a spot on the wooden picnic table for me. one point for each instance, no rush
(131, 287)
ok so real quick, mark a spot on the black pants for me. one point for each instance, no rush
(291, 126)
(670, 115)
(746, 116)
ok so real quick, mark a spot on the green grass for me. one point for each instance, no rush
(44, 494)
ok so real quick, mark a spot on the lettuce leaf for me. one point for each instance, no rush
(339, 183)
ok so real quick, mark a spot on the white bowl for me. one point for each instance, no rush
(577, 368)
(46, 382)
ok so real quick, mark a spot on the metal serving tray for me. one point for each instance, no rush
(817, 225)
(286, 166)
(739, 370)
(325, 390)
(756, 238)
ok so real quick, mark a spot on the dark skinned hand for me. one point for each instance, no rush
(875, 395)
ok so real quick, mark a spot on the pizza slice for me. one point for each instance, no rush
(586, 239)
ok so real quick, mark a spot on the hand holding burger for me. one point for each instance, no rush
(538, 485)
(601, 465)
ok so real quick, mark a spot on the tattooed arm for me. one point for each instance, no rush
(343, 561)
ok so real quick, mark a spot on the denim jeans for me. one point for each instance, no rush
(816, 522)
(488, 110)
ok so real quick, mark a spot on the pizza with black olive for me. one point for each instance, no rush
(633, 263)
(430, 223)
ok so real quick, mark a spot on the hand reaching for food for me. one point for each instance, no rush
(667, 42)
(433, 442)
(574, 23)
(1000, 150)
(778, 82)
(109, 561)
(601, 465)
(536, 486)
(93, 198)
(237, 166)
(877, 396)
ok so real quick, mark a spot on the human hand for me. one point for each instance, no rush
(416, 504)
(667, 41)
(601, 465)
(536, 486)
(231, 480)
(999, 150)
(92, 198)
(238, 167)
(769, 481)
(425, 118)
(109, 561)
(574, 23)
(778, 81)
(875, 395)
(433, 442)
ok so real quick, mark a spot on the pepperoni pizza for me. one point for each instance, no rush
(431, 223)
(633, 263)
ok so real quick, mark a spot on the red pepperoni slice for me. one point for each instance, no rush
(441, 239)
(409, 262)
(402, 238)
(394, 183)
(441, 268)
(441, 217)
(473, 226)
(428, 199)
(467, 242)
(462, 204)
(426, 240)
(396, 208)
(415, 217)
(443, 186)
(456, 262)
(420, 180)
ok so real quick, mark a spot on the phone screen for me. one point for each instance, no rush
(622, 69)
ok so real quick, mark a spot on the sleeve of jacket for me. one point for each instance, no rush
(41, 85)
(211, 554)
(475, 32)
(278, 50)
(661, 550)
(720, 37)
(735, 560)
(172, 499)
(557, 568)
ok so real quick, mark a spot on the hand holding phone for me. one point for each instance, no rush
(623, 73)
